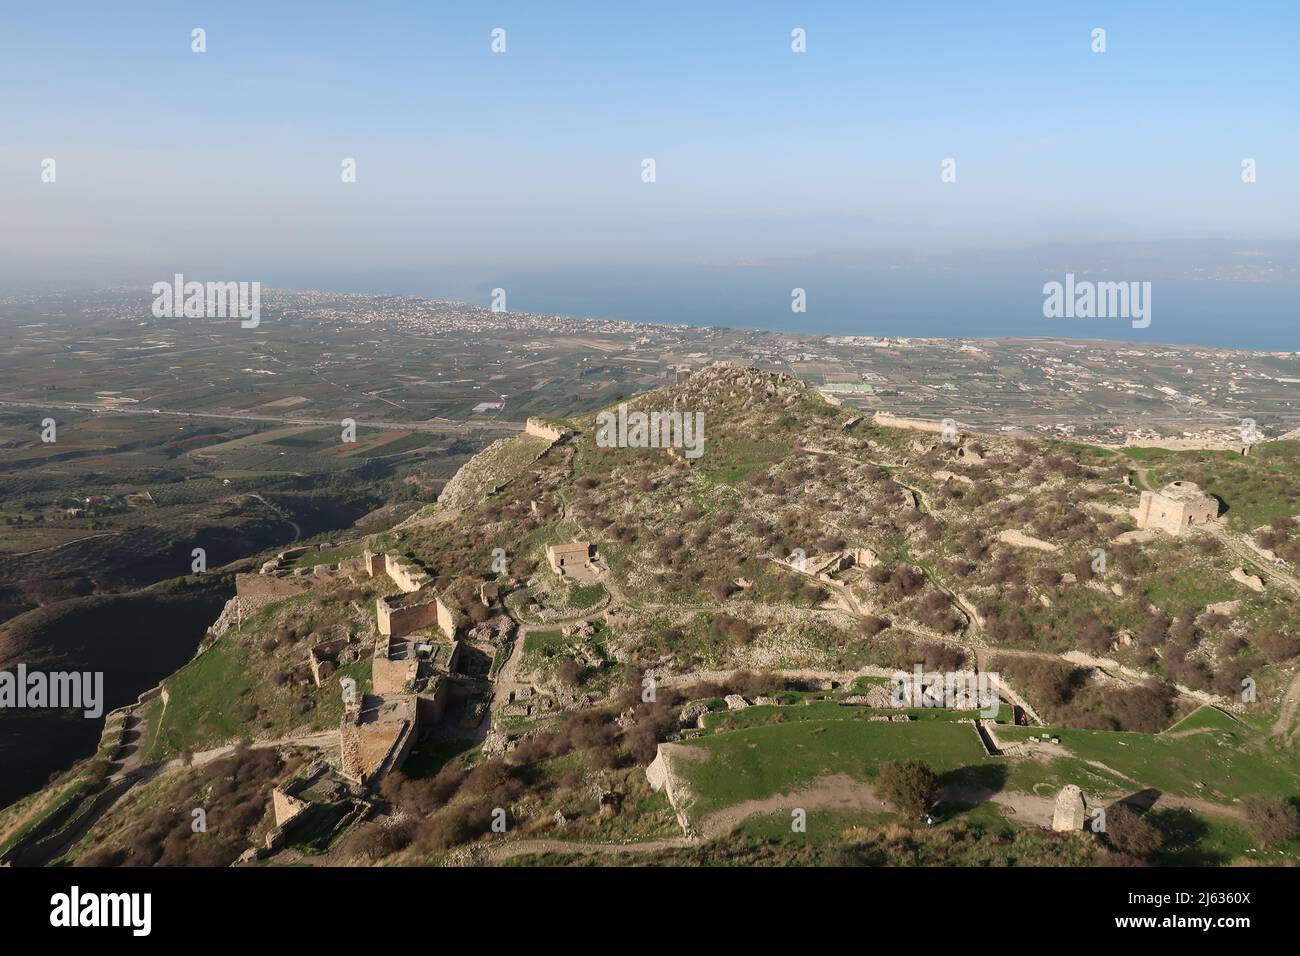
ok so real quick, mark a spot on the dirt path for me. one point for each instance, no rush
(1286, 716)
(317, 741)
(297, 530)
(66, 544)
(1022, 807)
(837, 792)
(1250, 559)
(515, 848)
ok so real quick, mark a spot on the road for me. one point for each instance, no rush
(297, 529)
(428, 425)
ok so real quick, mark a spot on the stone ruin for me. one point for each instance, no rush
(1177, 508)
(541, 429)
(315, 800)
(568, 557)
(1243, 577)
(1071, 810)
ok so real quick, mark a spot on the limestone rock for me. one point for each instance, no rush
(1070, 811)
(1252, 581)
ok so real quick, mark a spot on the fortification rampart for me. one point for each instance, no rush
(272, 587)
(392, 677)
(890, 420)
(402, 613)
(404, 574)
(540, 429)
(660, 776)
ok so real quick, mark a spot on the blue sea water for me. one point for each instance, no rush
(859, 302)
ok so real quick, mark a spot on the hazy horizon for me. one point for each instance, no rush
(228, 161)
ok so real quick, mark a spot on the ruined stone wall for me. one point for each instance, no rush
(404, 574)
(445, 619)
(660, 776)
(392, 677)
(320, 653)
(1185, 444)
(1174, 516)
(430, 707)
(404, 619)
(271, 587)
(285, 806)
(356, 565)
(539, 429)
(890, 420)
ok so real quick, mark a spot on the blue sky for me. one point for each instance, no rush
(231, 159)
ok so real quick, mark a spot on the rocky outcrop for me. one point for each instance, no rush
(1021, 540)
(492, 468)
(1070, 811)
(1252, 581)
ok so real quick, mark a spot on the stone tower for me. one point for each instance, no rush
(1177, 508)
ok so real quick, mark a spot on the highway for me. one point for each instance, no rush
(428, 425)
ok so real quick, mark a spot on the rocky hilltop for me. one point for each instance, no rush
(590, 619)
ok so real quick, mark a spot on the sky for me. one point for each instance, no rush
(229, 161)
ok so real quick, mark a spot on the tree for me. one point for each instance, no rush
(909, 785)
(569, 672)
(1131, 834)
(1271, 820)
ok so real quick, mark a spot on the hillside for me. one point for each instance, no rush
(136, 639)
(761, 591)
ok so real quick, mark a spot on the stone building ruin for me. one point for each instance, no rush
(1177, 508)
(566, 558)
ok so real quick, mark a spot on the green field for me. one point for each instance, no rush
(1229, 762)
(820, 710)
(221, 696)
(766, 761)
(1255, 488)
(328, 556)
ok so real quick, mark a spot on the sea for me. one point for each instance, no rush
(841, 301)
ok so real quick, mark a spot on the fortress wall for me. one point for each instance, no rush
(391, 677)
(890, 420)
(660, 776)
(539, 429)
(403, 620)
(385, 750)
(405, 575)
(445, 620)
(264, 587)
(356, 565)
(1185, 444)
